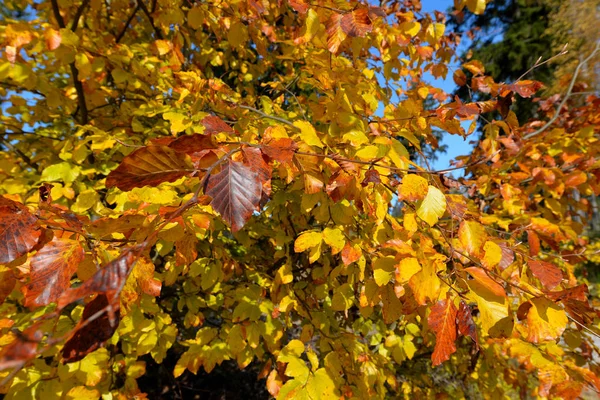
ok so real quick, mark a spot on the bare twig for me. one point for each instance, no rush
(157, 31)
(566, 96)
(122, 33)
(538, 63)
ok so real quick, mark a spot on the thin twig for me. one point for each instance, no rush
(122, 33)
(538, 63)
(566, 96)
(273, 117)
(157, 31)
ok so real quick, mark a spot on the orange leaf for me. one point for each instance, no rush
(482, 277)
(357, 23)
(193, 143)
(281, 149)
(472, 236)
(549, 274)
(442, 320)
(213, 124)
(51, 270)
(413, 188)
(335, 33)
(149, 166)
(19, 231)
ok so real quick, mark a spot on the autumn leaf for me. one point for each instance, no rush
(357, 23)
(19, 231)
(413, 188)
(94, 328)
(545, 321)
(149, 166)
(51, 270)
(335, 33)
(280, 149)
(465, 324)
(433, 206)
(549, 274)
(236, 193)
(190, 144)
(442, 320)
(482, 277)
(213, 125)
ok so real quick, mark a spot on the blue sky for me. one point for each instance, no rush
(456, 145)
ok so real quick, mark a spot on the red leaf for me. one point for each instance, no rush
(442, 321)
(149, 166)
(357, 23)
(109, 280)
(193, 143)
(213, 124)
(19, 231)
(465, 323)
(51, 271)
(236, 193)
(281, 149)
(549, 274)
(94, 328)
(335, 33)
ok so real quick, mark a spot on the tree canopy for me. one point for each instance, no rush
(192, 183)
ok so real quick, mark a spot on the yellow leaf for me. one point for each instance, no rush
(410, 222)
(308, 134)
(492, 254)
(368, 152)
(411, 28)
(343, 298)
(472, 236)
(177, 121)
(312, 25)
(406, 269)
(383, 268)
(82, 393)
(476, 6)
(413, 188)
(433, 206)
(335, 239)
(546, 321)
(425, 284)
(423, 92)
(285, 274)
(195, 18)
(321, 386)
(492, 308)
(307, 240)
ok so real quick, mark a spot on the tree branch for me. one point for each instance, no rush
(567, 95)
(141, 4)
(122, 33)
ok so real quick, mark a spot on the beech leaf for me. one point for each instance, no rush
(442, 320)
(149, 166)
(236, 193)
(19, 231)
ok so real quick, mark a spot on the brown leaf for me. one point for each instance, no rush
(19, 231)
(51, 270)
(466, 325)
(93, 329)
(281, 149)
(193, 143)
(549, 274)
(335, 33)
(7, 284)
(149, 166)
(371, 176)
(442, 320)
(236, 193)
(109, 280)
(524, 88)
(459, 77)
(347, 165)
(357, 23)
(213, 124)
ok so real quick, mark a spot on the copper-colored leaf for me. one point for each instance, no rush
(149, 166)
(93, 330)
(549, 274)
(51, 270)
(346, 165)
(459, 77)
(236, 193)
(534, 243)
(466, 325)
(53, 39)
(7, 284)
(193, 143)
(350, 253)
(109, 280)
(22, 349)
(357, 23)
(299, 6)
(213, 124)
(524, 88)
(19, 231)
(281, 149)
(442, 320)
(335, 33)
